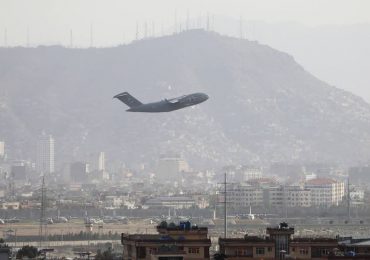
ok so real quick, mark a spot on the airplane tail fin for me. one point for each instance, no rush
(129, 100)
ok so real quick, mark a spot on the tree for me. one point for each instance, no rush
(106, 255)
(27, 251)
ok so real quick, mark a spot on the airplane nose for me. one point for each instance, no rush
(205, 96)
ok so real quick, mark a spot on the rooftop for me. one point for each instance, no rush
(321, 181)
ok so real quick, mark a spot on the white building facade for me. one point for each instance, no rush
(45, 161)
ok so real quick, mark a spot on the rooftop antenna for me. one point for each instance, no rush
(28, 37)
(213, 23)
(207, 27)
(70, 38)
(241, 27)
(187, 20)
(137, 31)
(5, 38)
(175, 21)
(91, 35)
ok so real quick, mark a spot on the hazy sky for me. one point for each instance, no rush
(113, 21)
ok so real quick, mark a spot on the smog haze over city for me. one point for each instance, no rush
(198, 129)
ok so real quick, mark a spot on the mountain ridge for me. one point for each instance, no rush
(263, 106)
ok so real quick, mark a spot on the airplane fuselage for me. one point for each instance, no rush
(170, 104)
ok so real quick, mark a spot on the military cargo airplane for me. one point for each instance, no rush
(165, 105)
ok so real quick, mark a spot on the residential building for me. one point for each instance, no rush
(244, 195)
(325, 192)
(274, 196)
(251, 173)
(297, 196)
(171, 243)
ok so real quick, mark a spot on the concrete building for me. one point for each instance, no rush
(297, 197)
(278, 244)
(244, 195)
(101, 161)
(79, 172)
(274, 196)
(2, 149)
(171, 243)
(11, 205)
(170, 168)
(45, 161)
(175, 202)
(251, 173)
(19, 170)
(325, 192)
(5, 252)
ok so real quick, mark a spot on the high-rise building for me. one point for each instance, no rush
(79, 172)
(45, 154)
(2, 149)
(170, 168)
(101, 163)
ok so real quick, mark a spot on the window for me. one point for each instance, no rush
(241, 252)
(269, 249)
(303, 251)
(152, 250)
(193, 250)
(324, 251)
(260, 250)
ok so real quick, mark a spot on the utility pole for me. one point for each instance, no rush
(348, 200)
(42, 227)
(225, 183)
(225, 208)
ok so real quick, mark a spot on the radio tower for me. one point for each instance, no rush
(42, 228)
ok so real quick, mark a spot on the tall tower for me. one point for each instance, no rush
(45, 154)
(2, 149)
(101, 165)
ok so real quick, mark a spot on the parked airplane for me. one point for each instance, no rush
(166, 105)
(249, 216)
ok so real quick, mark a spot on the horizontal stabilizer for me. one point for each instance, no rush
(129, 100)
